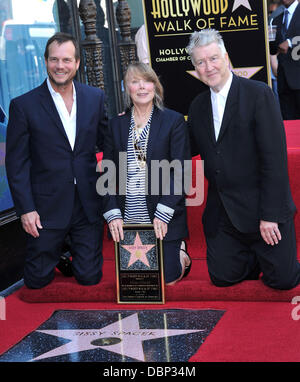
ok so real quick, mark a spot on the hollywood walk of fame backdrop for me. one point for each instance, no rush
(116, 336)
(139, 266)
(169, 24)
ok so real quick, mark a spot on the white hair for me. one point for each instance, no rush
(203, 38)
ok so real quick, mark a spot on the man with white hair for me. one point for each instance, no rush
(237, 129)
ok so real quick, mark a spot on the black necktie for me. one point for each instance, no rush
(285, 24)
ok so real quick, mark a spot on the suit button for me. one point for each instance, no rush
(217, 171)
(218, 152)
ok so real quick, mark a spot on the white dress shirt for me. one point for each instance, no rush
(291, 9)
(68, 120)
(218, 102)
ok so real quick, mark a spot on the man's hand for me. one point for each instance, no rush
(160, 228)
(283, 47)
(270, 232)
(116, 229)
(31, 223)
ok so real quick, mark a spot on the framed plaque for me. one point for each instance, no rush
(139, 266)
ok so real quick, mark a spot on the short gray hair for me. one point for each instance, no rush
(203, 38)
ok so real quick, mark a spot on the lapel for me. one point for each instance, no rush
(124, 131)
(294, 19)
(81, 108)
(279, 29)
(50, 108)
(205, 111)
(154, 130)
(230, 107)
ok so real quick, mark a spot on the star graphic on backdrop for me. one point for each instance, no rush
(238, 3)
(246, 72)
(138, 251)
(124, 337)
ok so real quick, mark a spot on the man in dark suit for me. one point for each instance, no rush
(52, 135)
(237, 129)
(288, 75)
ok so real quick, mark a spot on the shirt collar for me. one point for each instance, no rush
(292, 7)
(225, 89)
(54, 93)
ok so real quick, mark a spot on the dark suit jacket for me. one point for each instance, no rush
(286, 62)
(247, 167)
(168, 139)
(40, 163)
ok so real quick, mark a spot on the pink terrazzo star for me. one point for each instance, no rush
(138, 251)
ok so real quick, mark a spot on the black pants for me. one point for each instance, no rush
(233, 256)
(43, 253)
(171, 256)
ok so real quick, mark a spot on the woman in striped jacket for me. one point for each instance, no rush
(148, 146)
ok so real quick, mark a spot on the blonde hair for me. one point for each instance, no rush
(144, 71)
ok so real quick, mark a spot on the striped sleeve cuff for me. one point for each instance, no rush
(112, 214)
(164, 213)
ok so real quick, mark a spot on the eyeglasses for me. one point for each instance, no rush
(211, 60)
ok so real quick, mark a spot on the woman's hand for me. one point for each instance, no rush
(160, 228)
(116, 229)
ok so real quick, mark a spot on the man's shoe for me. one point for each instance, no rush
(65, 266)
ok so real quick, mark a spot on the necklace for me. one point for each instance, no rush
(140, 121)
(140, 153)
(140, 150)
